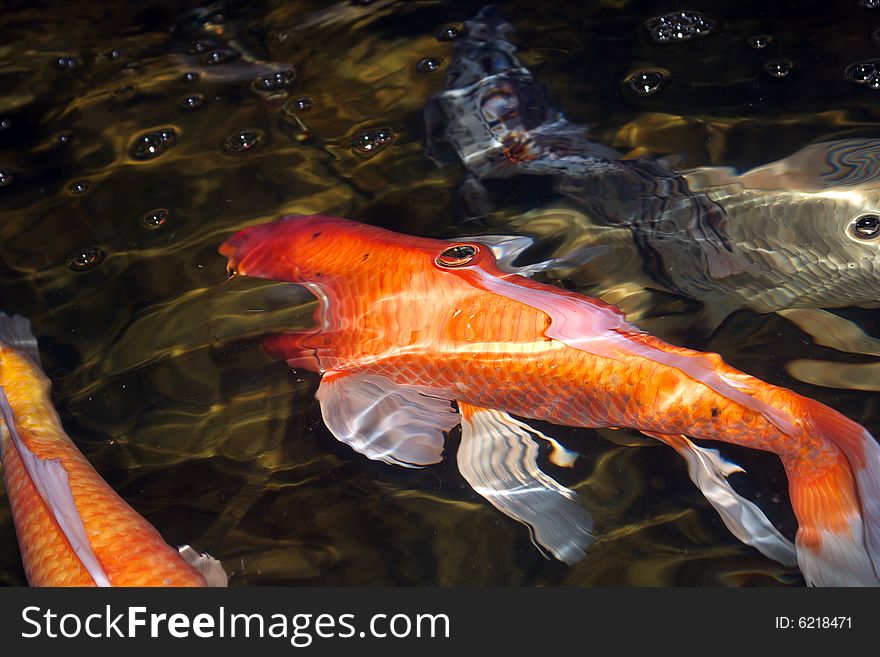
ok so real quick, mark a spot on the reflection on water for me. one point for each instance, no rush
(129, 152)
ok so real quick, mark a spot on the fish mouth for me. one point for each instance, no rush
(250, 252)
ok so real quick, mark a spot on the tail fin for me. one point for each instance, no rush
(15, 332)
(838, 510)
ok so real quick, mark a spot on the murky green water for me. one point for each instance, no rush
(156, 360)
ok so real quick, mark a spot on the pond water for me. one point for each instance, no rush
(136, 136)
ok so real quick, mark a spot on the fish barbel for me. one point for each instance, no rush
(72, 528)
(417, 335)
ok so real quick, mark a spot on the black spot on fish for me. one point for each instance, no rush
(716, 412)
(366, 255)
(316, 235)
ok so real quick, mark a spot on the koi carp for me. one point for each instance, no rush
(415, 336)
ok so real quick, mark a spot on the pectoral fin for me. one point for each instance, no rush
(498, 458)
(50, 479)
(385, 421)
(709, 471)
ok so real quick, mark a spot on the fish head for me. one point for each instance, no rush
(331, 251)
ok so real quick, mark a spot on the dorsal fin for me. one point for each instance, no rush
(50, 479)
(814, 168)
(15, 332)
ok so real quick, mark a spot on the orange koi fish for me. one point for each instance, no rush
(72, 528)
(416, 336)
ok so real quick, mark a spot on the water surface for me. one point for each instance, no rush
(113, 111)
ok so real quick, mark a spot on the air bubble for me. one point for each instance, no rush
(64, 137)
(679, 26)
(243, 141)
(866, 72)
(125, 91)
(779, 68)
(275, 81)
(155, 219)
(78, 187)
(449, 32)
(302, 104)
(200, 47)
(190, 76)
(217, 57)
(192, 102)
(152, 144)
(759, 41)
(85, 258)
(5, 123)
(429, 64)
(648, 82)
(371, 141)
(6, 177)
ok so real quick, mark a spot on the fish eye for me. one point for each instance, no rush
(865, 227)
(456, 256)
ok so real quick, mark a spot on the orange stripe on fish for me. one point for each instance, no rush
(72, 528)
(409, 328)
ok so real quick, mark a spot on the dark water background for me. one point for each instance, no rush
(156, 361)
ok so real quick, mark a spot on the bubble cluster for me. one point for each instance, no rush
(866, 72)
(371, 141)
(759, 41)
(154, 219)
(66, 63)
(275, 81)
(429, 64)
(78, 187)
(647, 82)
(152, 144)
(869, 4)
(449, 32)
(779, 68)
(242, 141)
(6, 177)
(679, 26)
(85, 258)
(192, 102)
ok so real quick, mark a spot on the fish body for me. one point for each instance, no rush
(415, 336)
(777, 237)
(72, 528)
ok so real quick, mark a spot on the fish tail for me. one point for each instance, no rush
(838, 507)
(15, 332)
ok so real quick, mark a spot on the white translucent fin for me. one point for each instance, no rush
(840, 561)
(15, 332)
(507, 248)
(709, 471)
(498, 458)
(384, 421)
(50, 479)
(210, 568)
(830, 330)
